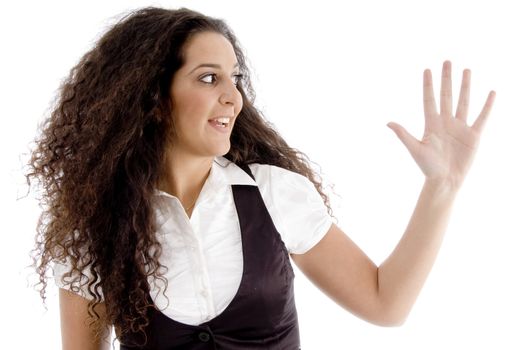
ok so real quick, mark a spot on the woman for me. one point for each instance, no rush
(173, 206)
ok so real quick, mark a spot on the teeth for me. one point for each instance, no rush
(224, 120)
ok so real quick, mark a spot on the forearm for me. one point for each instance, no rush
(402, 275)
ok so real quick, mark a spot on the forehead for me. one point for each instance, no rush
(209, 47)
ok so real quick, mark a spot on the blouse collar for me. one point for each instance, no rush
(223, 172)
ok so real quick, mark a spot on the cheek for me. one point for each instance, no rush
(192, 107)
(239, 104)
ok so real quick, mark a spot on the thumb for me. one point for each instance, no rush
(407, 139)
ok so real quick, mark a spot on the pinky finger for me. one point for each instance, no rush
(478, 125)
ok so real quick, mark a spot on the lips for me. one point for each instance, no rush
(224, 121)
(221, 123)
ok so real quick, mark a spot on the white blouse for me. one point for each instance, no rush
(203, 254)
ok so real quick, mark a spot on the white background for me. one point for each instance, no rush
(330, 77)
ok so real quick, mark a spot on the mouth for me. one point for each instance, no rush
(221, 123)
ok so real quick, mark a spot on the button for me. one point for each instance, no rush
(204, 337)
(204, 293)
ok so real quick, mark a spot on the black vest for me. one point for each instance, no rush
(262, 314)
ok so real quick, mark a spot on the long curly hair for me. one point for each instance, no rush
(99, 157)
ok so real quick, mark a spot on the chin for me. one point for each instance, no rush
(221, 151)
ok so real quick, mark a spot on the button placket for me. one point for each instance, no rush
(204, 290)
(201, 279)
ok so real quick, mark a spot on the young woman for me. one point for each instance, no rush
(172, 205)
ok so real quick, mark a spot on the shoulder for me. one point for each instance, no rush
(272, 175)
(295, 205)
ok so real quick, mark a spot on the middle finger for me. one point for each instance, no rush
(445, 90)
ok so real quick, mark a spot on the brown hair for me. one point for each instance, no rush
(100, 155)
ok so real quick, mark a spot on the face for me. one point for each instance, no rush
(205, 99)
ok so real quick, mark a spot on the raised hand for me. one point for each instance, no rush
(448, 146)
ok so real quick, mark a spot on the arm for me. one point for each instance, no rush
(402, 275)
(385, 295)
(381, 295)
(74, 321)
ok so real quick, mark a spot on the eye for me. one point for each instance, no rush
(209, 75)
(237, 78)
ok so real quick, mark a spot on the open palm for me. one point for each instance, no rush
(448, 146)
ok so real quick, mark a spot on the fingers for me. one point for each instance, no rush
(410, 142)
(446, 97)
(430, 108)
(463, 100)
(478, 125)
(445, 90)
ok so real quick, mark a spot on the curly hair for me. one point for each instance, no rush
(100, 154)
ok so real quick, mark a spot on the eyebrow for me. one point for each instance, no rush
(211, 65)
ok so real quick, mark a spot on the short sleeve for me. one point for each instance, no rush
(295, 206)
(61, 268)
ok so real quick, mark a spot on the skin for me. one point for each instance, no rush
(199, 94)
(385, 294)
(74, 324)
(382, 295)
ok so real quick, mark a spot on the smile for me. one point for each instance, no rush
(220, 124)
(221, 121)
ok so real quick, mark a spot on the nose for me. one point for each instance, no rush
(230, 96)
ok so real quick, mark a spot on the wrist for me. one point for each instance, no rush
(442, 185)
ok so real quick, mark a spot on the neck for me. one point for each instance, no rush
(184, 177)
